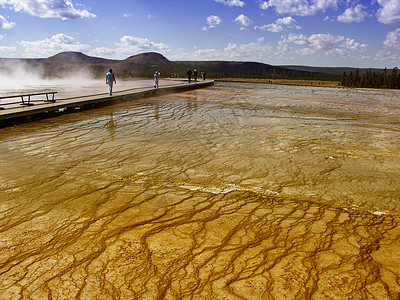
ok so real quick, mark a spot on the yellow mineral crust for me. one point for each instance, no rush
(223, 193)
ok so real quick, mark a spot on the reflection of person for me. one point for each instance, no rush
(110, 79)
(189, 74)
(156, 111)
(111, 126)
(195, 75)
(155, 80)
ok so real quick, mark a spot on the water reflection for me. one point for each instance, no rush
(156, 111)
(232, 191)
(111, 126)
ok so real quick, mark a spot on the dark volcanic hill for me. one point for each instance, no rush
(145, 64)
(71, 62)
(150, 58)
(76, 58)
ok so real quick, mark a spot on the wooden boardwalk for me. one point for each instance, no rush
(16, 111)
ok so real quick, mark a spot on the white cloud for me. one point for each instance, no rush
(323, 5)
(231, 2)
(283, 46)
(51, 46)
(264, 5)
(387, 55)
(128, 46)
(363, 57)
(8, 49)
(298, 39)
(306, 51)
(389, 13)
(4, 24)
(289, 22)
(323, 41)
(235, 52)
(302, 7)
(352, 45)
(104, 52)
(212, 22)
(339, 53)
(393, 39)
(62, 9)
(243, 21)
(279, 24)
(132, 45)
(353, 15)
(270, 27)
(337, 46)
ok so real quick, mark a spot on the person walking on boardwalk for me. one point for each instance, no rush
(110, 80)
(195, 75)
(189, 74)
(155, 80)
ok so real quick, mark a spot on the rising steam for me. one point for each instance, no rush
(17, 75)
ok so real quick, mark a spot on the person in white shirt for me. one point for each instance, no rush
(155, 80)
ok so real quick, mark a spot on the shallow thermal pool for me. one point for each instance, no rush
(237, 190)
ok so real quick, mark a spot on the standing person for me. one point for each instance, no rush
(204, 75)
(155, 79)
(110, 79)
(189, 74)
(195, 75)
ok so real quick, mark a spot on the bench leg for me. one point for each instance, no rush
(26, 103)
(52, 98)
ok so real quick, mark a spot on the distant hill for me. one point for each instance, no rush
(145, 64)
(335, 71)
(249, 69)
(150, 58)
(76, 58)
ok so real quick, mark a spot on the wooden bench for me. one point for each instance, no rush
(26, 98)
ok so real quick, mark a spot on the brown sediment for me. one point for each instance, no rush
(188, 196)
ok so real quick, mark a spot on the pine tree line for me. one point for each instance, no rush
(372, 79)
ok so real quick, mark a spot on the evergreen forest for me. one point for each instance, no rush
(369, 79)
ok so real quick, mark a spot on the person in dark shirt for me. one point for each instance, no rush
(195, 75)
(189, 74)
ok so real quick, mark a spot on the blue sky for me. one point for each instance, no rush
(294, 32)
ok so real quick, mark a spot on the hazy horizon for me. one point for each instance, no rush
(122, 59)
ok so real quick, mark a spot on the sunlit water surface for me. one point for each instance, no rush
(233, 191)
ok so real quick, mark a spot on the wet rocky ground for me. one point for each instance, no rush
(238, 191)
